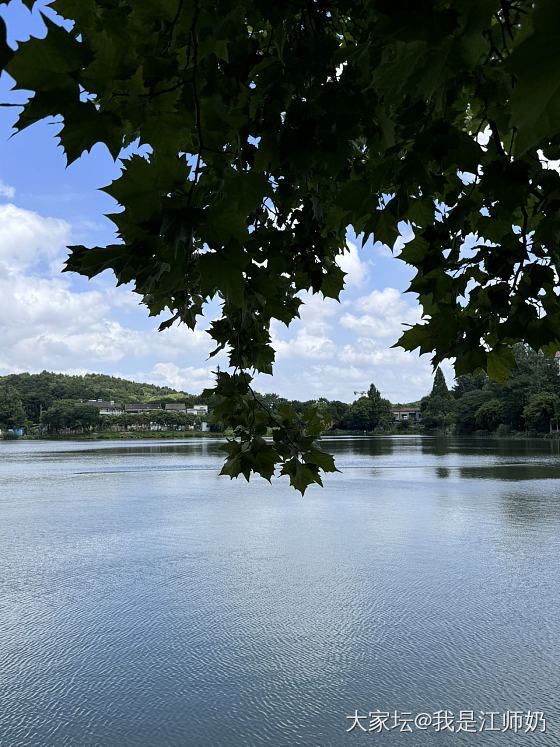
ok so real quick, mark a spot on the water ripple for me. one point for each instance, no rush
(148, 603)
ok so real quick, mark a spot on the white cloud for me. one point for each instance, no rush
(316, 310)
(176, 342)
(356, 270)
(384, 250)
(340, 354)
(305, 345)
(384, 313)
(401, 377)
(548, 163)
(309, 336)
(27, 238)
(7, 191)
(482, 138)
(121, 297)
(45, 323)
(188, 379)
(406, 235)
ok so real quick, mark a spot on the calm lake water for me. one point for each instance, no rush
(146, 601)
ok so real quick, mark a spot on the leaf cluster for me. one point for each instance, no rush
(269, 128)
(293, 446)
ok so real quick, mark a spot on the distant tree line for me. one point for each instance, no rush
(53, 402)
(529, 402)
(367, 413)
(58, 403)
(38, 392)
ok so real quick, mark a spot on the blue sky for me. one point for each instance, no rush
(65, 323)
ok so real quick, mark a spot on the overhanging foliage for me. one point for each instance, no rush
(273, 126)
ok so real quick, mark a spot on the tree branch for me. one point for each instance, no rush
(496, 137)
(196, 99)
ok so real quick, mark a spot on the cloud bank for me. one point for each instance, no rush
(59, 322)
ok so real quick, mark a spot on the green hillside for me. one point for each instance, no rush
(39, 391)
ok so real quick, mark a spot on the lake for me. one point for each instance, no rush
(146, 601)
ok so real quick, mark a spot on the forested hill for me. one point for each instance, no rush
(39, 391)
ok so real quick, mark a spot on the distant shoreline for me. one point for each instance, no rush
(179, 435)
(120, 436)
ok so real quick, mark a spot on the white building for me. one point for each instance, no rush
(198, 410)
(105, 407)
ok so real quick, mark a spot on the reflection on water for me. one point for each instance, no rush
(360, 451)
(109, 449)
(534, 470)
(146, 601)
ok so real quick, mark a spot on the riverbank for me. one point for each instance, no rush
(150, 435)
(120, 436)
